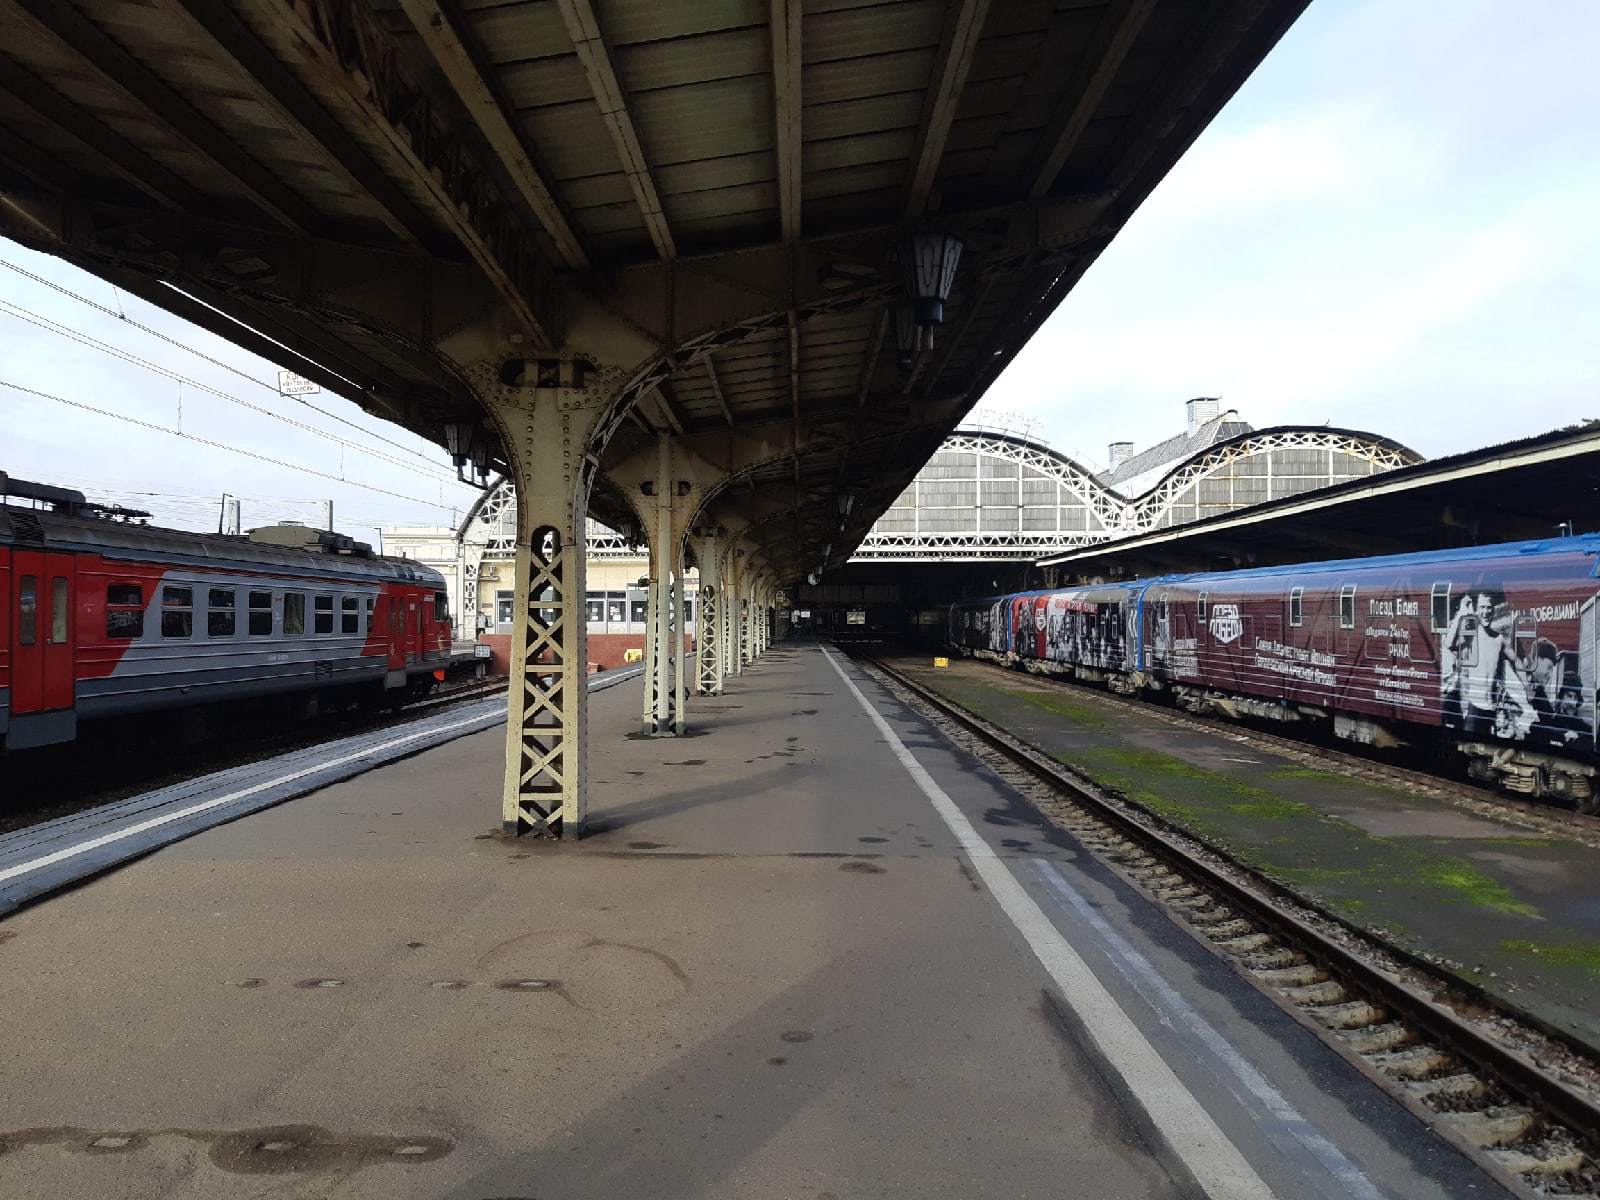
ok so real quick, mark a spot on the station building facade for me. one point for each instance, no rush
(992, 494)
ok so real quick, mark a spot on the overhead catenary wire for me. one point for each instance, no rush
(277, 462)
(214, 361)
(42, 322)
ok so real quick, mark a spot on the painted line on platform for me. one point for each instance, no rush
(437, 732)
(1194, 1137)
(1285, 1122)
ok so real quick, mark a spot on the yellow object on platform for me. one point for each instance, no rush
(941, 662)
(633, 655)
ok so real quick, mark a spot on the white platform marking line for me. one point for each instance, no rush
(1139, 971)
(127, 831)
(1202, 1147)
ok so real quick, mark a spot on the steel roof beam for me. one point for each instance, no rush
(119, 157)
(125, 72)
(963, 28)
(442, 31)
(669, 408)
(1114, 36)
(584, 28)
(271, 82)
(716, 390)
(786, 65)
(358, 56)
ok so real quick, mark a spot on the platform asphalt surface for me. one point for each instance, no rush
(57, 854)
(808, 951)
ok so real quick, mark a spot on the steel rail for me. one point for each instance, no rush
(1516, 1072)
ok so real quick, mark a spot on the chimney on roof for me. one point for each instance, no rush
(1119, 453)
(1202, 409)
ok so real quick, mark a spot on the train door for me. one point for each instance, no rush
(42, 665)
(1587, 687)
(413, 628)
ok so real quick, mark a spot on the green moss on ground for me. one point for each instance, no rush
(1581, 954)
(1358, 866)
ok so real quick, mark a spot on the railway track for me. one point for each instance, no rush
(1523, 1102)
(1464, 794)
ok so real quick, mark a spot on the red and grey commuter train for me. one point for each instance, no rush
(1489, 651)
(100, 617)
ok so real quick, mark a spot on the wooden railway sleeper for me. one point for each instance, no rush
(1500, 1126)
(1546, 1159)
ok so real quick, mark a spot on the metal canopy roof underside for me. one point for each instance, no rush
(374, 183)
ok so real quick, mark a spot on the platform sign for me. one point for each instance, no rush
(941, 662)
(290, 384)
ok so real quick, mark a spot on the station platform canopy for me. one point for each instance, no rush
(1532, 488)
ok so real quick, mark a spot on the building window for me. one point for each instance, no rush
(124, 611)
(1295, 597)
(350, 614)
(219, 617)
(322, 615)
(260, 614)
(1347, 606)
(688, 611)
(28, 612)
(294, 614)
(58, 611)
(616, 607)
(177, 612)
(1441, 607)
(594, 607)
(504, 607)
(639, 611)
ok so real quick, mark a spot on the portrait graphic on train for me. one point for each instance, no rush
(1504, 673)
(1084, 632)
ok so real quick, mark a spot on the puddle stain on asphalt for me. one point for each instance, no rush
(271, 1150)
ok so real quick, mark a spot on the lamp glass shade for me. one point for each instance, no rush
(929, 261)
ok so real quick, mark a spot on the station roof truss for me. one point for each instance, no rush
(387, 195)
(1531, 488)
(990, 496)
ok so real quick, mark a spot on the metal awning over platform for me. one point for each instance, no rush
(1531, 488)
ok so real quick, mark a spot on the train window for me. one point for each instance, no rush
(220, 604)
(1441, 607)
(1204, 599)
(350, 614)
(124, 611)
(1296, 606)
(441, 606)
(260, 614)
(369, 605)
(58, 611)
(28, 611)
(294, 614)
(324, 614)
(1347, 606)
(177, 612)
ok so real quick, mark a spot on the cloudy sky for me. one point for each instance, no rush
(1393, 227)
